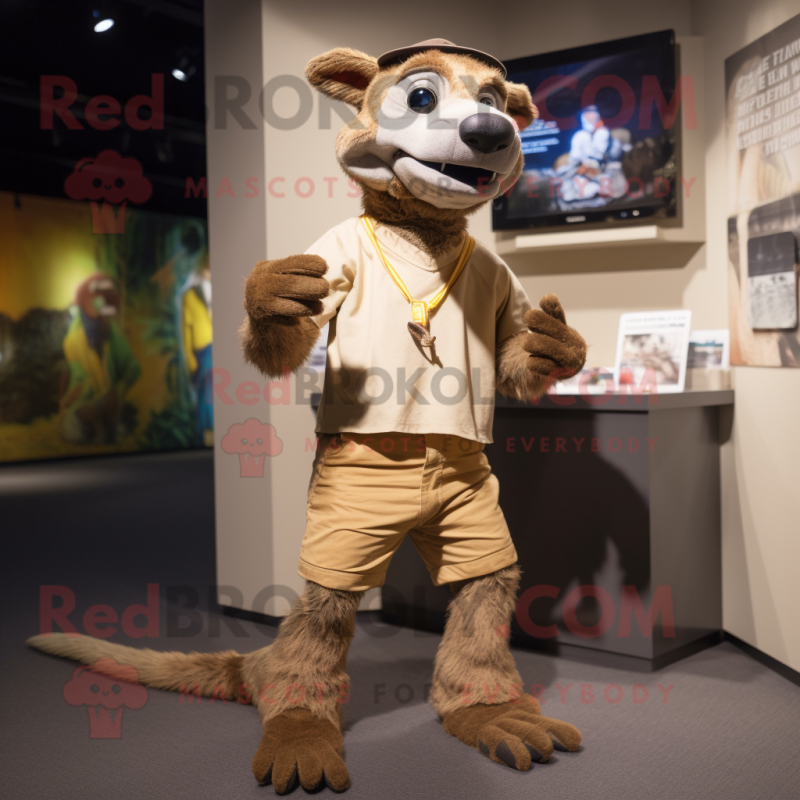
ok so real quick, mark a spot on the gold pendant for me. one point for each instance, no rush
(419, 312)
(419, 324)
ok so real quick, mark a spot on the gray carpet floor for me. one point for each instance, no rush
(727, 728)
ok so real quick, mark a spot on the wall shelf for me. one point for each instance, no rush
(604, 237)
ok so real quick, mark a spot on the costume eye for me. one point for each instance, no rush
(259, 441)
(94, 688)
(244, 441)
(116, 688)
(422, 100)
(489, 97)
(97, 183)
(119, 183)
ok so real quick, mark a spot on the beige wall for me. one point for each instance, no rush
(237, 238)
(760, 507)
(760, 503)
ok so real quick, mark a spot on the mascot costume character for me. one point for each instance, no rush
(410, 297)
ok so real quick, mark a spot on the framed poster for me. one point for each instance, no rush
(762, 84)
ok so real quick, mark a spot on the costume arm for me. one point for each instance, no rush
(280, 298)
(288, 302)
(548, 351)
(272, 345)
(514, 375)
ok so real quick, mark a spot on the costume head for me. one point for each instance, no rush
(435, 121)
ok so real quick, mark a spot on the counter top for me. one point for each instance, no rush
(623, 401)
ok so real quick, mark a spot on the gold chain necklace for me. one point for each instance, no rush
(421, 311)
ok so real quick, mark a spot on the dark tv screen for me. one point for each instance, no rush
(604, 148)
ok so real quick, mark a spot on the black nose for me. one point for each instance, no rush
(487, 132)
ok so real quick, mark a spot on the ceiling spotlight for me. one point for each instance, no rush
(186, 66)
(104, 21)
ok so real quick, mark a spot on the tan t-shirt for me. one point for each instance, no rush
(378, 377)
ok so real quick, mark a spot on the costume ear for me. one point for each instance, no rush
(342, 74)
(520, 104)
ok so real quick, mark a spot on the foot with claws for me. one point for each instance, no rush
(298, 747)
(514, 734)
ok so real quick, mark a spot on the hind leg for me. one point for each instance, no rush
(298, 685)
(477, 690)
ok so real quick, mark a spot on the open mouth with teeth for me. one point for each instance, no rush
(471, 176)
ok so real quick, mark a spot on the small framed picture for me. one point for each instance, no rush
(709, 349)
(652, 351)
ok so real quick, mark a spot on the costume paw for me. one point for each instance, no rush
(551, 343)
(514, 734)
(287, 287)
(298, 747)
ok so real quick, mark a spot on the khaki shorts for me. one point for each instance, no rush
(369, 490)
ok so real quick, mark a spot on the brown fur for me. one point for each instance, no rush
(287, 287)
(296, 746)
(519, 104)
(513, 733)
(279, 296)
(554, 347)
(474, 663)
(477, 690)
(550, 349)
(203, 674)
(273, 346)
(303, 668)
(309, 652)
(342, 74)
(433, 230)
(515, 378)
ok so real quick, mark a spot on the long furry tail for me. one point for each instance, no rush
(206, 674)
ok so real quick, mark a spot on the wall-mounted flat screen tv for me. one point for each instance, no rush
(605, 146)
